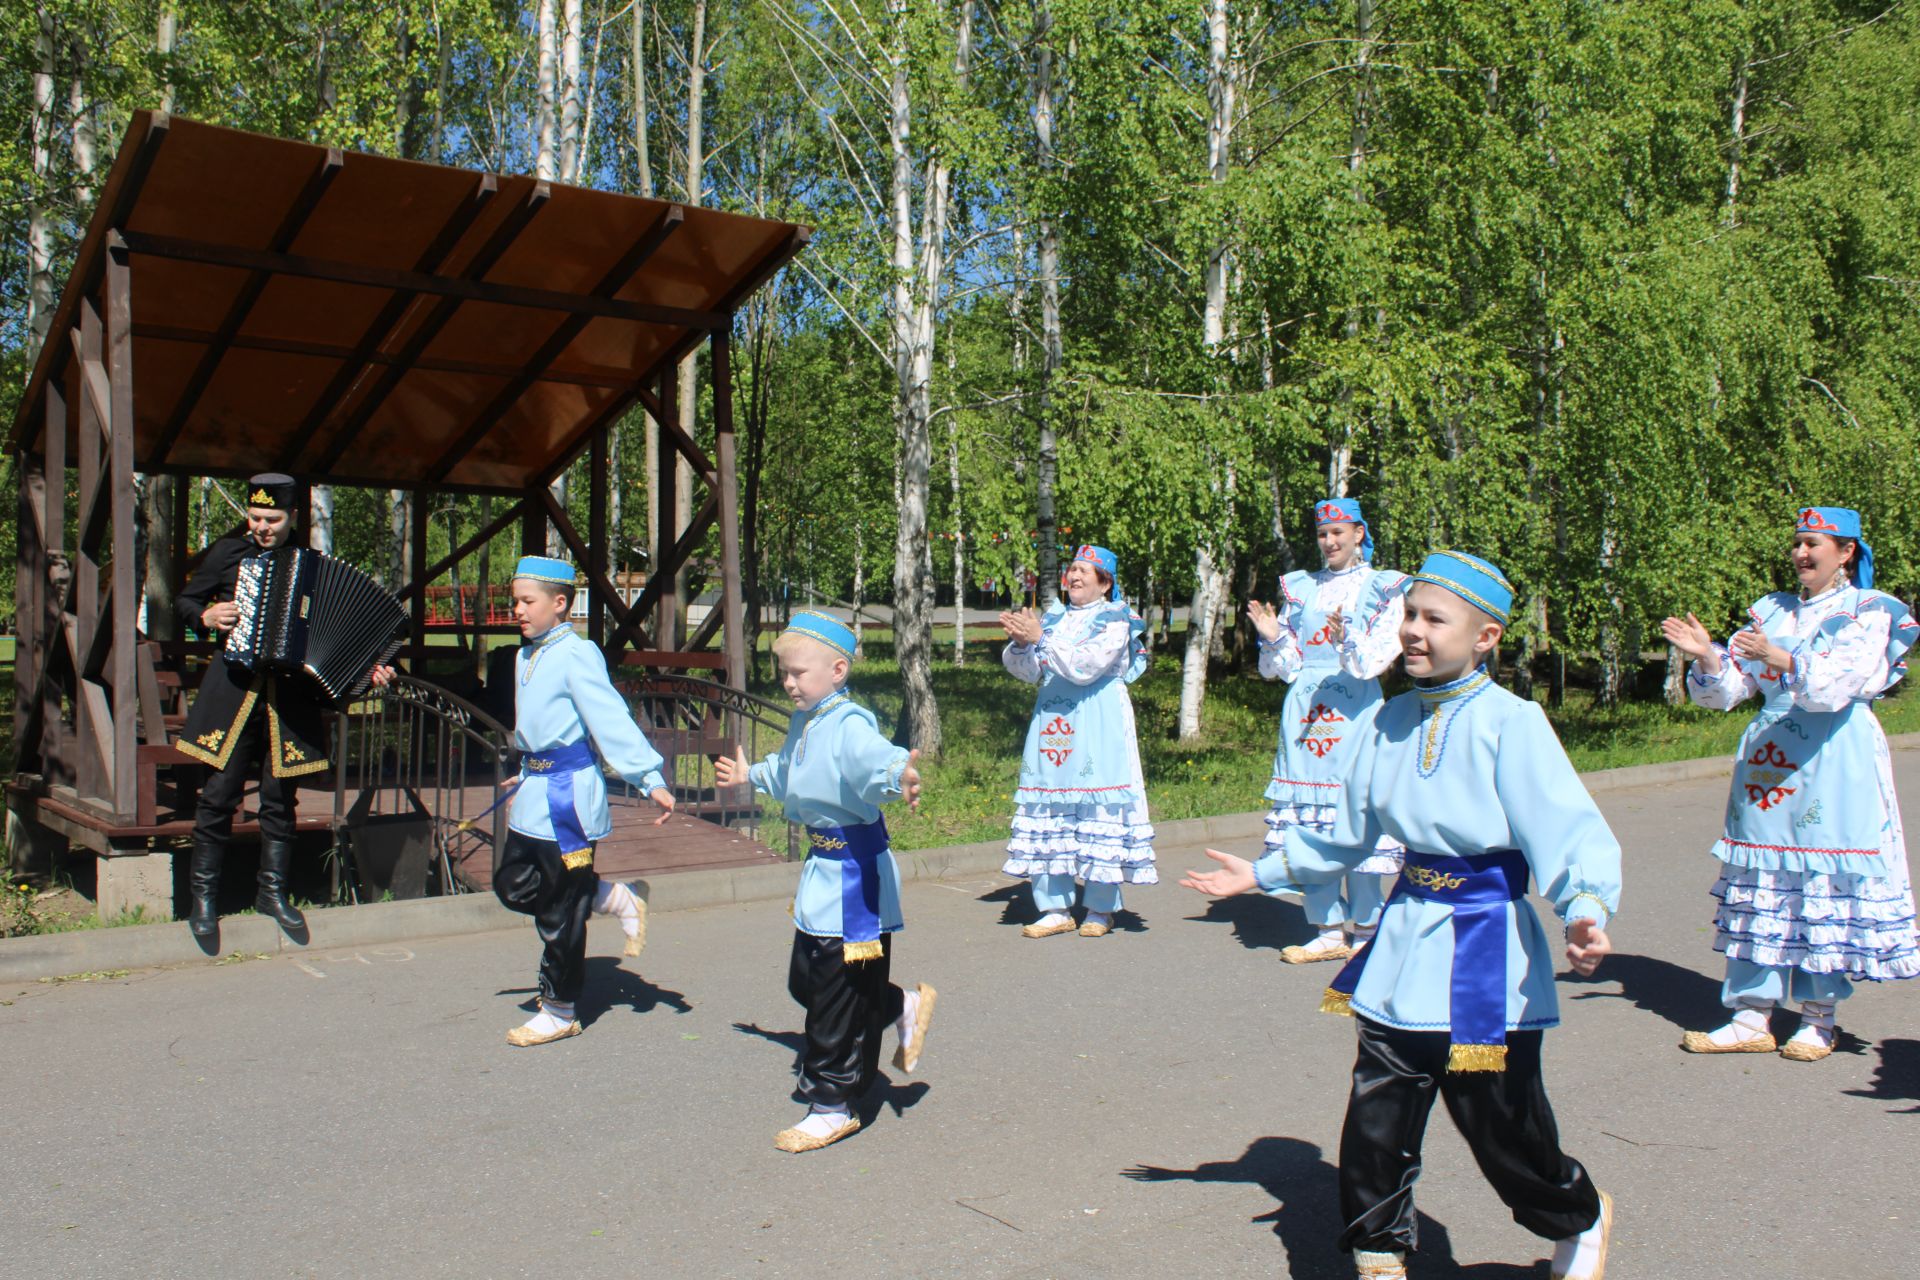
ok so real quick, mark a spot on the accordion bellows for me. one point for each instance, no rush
(302, 610)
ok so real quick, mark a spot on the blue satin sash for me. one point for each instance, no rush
(557, 767)
(1478, 889)
(858, 850)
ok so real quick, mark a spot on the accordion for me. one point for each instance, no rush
(304, 611)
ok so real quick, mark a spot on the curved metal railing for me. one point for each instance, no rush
(689, 721)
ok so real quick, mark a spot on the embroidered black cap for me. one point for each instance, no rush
(271, 489)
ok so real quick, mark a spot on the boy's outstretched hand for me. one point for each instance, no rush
(1235, 876)
(910, 781)
(731, 770)
(1587, 946)
(664, 798)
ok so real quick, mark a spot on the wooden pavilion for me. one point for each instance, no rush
(243, 303)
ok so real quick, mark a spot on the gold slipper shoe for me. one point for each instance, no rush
(1038, 930)
(1700, 1042)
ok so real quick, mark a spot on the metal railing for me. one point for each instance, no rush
(690, 721)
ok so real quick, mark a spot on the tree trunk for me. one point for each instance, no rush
(859, 583)
(571, 138)
(959, 546)
(320, 518)
(398, 524)
(1207, 589)
(695, 185)
(1050, 338)
(1737, 144)
(40, 289)
(1675, 686)
(546, 72)
(166, 31)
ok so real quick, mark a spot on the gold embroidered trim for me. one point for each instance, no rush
(218, 752)
(260, 498)
(577, 859)
(1336, 1002)
(1471, 597)
(855, 952)
(1595, 899)
(820, 840)
(287, 757)
(1477, 1057)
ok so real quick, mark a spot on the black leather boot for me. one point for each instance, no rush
(276, 857)
(203, 876)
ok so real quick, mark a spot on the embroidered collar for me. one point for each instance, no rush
(838, 698)
(1823, 597)
(538, 645)
(1465, 686)
(1355, 567)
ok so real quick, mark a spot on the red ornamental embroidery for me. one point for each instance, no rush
(1056, 741)
(1319, 737)
(1319, 746)
(1321, 713)
(1767, 797)
(1770, 754)
(1811, 521)
(1322, 636)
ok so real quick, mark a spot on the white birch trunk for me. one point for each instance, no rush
(695, 184)
(397, 523)
(1050, 339)
(320, 519)
(859, 622)
(1738, 145)
(40, 290)
(166, 32)
(643, 153)
(959, 546)
(570, 93)
(546, 72)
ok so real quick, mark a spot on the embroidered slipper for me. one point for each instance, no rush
(907, 1056)
(1038, 930)
(1798, 1050)
(1095, 929)
(798, 1140)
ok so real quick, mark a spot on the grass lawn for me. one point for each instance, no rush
(984, 712)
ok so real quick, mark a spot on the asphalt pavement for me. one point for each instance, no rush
(1165, 1101)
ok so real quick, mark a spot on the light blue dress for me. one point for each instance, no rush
(1332, 698)
(562, 696)
(1815, 872)
(1080, 809)
(1460, 770)
(835, 769)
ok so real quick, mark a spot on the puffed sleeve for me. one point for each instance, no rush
(1100, 653)
(1573, 853)
(1022, 660)
(1280, 659)
(871, 763)
(1853, 666)
(1725, 690)
(1309, 856)
(609, 722)
(1373, 649)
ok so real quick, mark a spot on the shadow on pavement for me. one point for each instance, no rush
(1260, 922)
(610, 985)
(1685, 997)
(1017, 909)
(1897, 1078)
(792, 1041)
(1308, 1219)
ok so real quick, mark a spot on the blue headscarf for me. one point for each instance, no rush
(1345, 511)
(1840, 522)
(1105, 561)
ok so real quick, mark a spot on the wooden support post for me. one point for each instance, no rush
(94, 757)
(422, 500)
(29, 587)
(56, 587)
(660, 576)
(182, 520)
(596, 565)
(119, 478)
(725, 452)
(533, 522)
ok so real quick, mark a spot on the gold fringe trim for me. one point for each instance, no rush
(1338, 1002)
(854, 952)
(577, 859)
(1477, 1057)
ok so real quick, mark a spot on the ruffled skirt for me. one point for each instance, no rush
(1097, 843)
(1859, 926)
(1386, 859)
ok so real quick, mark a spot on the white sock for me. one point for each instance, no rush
(824, 1122)
(909, 1016)
(1363, 933)
(1053, 918)
(611, 898)
(1748, 1023)
(1816, 1024)
(1099, 917)
(553, 1016)
(1576, 1257)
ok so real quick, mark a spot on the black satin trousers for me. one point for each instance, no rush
(532, 880)
(1504, 1116)
(849, 1006)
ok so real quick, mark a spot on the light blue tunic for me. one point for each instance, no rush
(561, 696)
(1460, 770)
(835, 770)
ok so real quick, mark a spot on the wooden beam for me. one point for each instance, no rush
(597, 535)
(583, 554)
(366, 277)
(660, 585)
(92, 769)
(615, 279)
(418, 504)
(725, 450)
(749, 284)
(291, 224)
(487, 534)
(29, 581)
(429, 328)
(375, 359)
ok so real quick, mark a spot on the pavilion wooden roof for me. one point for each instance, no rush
(357, 319)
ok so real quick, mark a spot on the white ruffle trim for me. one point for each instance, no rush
(1389, 855)
(1101, 844)
(1861, 926)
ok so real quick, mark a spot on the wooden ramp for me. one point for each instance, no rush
(636, 849)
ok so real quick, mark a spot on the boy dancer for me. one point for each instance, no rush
(1455, 989)
(561, 699)
(832, 774)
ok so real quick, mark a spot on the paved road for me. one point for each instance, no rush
(1162, 1102)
